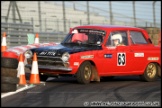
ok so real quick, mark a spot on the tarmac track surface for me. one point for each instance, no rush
(67, 92)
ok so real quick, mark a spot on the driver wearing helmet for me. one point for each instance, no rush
(117, 40)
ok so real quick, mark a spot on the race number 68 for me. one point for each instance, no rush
(121, 59)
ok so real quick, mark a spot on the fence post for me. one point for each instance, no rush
(69, 23)
(88, 18)
(110, 12)
(32, 22)
(80, 22)
(39, 13)
(45, 25)
(134, 13)
(146, 24)
(64, 15)
(74, 6)
(57, 25)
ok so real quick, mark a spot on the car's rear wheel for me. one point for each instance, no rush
(159, 71)
(151, 73)
(84, 73)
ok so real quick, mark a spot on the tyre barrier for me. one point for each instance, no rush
(9, 79)
(9, 63)
(8, 87)
(8, 72)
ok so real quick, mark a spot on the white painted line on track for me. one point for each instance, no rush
(19, 90)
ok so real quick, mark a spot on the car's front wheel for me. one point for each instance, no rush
(151, 72)
(84, 73)
(43, 77)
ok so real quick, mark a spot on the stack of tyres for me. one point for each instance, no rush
(9, 79)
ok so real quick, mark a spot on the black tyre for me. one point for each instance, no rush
(9, 80)
(9, 63)
(8, 87)
(151, 73)
(8, 72)
(159, 71)
(43, 77)
(107, 78)
(84, 73)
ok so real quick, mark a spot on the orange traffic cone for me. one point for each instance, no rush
(34, 76)
(21, 71)
(3, 45)
(36, 38)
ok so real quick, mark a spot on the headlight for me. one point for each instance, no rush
(65, 57)
(28, 54)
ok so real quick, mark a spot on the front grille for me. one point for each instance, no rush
(46, 60)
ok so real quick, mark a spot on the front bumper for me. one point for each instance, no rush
(54, 68)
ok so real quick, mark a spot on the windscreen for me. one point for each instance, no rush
(85, 36)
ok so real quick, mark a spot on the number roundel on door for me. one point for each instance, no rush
(121, 59)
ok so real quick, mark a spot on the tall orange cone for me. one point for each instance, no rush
(36, 38)
(3, 44)
(34, 76)
(21, 71)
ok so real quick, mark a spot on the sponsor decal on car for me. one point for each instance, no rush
(48, 53)
(108, 55)
(153, 58)
(76, 63)
(111, 47)
(138, 54)
(87, 57)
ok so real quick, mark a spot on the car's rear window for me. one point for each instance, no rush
(137, 37)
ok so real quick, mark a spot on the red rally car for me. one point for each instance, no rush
(92, 52)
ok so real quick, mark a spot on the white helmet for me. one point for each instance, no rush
(75, 31)
(117, 36)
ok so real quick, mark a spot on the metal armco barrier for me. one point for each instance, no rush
(17, 34)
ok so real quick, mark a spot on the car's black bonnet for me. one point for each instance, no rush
(61, 48)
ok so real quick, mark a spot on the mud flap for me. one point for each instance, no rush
(95, 76)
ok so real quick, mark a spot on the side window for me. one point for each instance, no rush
(137, 37)
(117, 38)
